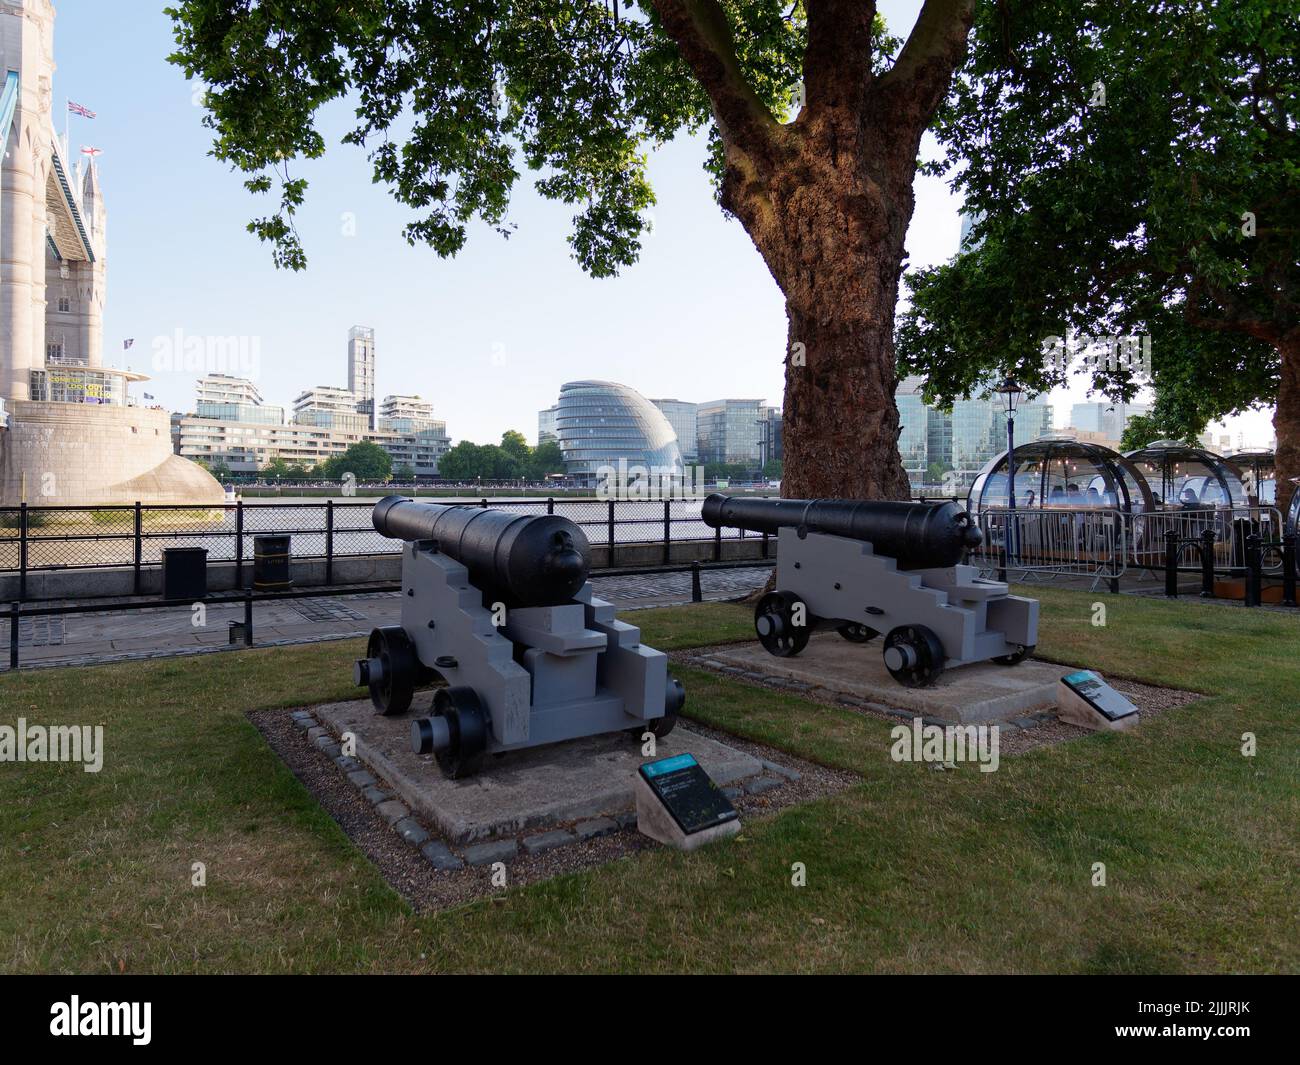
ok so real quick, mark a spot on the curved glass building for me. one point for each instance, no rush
(605, 428)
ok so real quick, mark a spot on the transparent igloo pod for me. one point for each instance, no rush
(1258, 468)
(1061, 472)
(1184, 477)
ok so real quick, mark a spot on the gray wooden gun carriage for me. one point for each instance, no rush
(499, 605)
(867, 567)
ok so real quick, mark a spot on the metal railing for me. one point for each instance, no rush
(1106, 543)
(34, 539)
(240, 633)
(1052, 542)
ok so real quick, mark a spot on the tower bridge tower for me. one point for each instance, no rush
(69, 431)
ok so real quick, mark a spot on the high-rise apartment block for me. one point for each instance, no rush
(361, 370)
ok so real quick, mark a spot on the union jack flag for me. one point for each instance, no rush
(77, 109)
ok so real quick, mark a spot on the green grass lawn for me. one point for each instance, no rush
(910, 871)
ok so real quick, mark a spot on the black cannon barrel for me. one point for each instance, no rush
(528, 559)
(918, 535)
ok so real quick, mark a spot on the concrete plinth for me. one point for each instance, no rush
(522, 789)
(974, 693)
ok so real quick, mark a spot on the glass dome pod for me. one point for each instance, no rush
(1060, 471)
(1187, 477)
(1258, 468)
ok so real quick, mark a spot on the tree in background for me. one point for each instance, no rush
(404, 473)
(547, 459)
(366, 461)
(814, 116)
(511, 460)
(278, 469)
(934, 472)
(1133, 170)
(218, 469)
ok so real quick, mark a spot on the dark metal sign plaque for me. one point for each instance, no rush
(688, 793)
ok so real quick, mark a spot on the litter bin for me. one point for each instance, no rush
(185, 572)
(271, 562)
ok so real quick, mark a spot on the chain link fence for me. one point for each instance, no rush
(41, 538)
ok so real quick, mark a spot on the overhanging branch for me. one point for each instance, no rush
(915, 85)
(702, 33)
(1235, 318)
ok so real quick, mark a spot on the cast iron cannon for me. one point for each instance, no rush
(498, 605)
(867, 567)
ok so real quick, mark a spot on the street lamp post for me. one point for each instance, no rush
(1011, 393)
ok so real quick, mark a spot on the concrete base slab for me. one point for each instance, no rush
(980, 692)
(542, 786)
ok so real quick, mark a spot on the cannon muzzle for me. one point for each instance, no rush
(526, 559)
(917, 535)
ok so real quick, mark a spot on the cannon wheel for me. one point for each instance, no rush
(774, 623)
(392, 691)
(856, 632)
(914, 656)
(468, 725)
(1016, 657)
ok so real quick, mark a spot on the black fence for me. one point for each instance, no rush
(241, 632)
(1255, 557)
(34, 539)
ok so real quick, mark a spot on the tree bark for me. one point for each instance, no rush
(1286, 419)
(839, 262)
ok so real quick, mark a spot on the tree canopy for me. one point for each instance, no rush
(1131, 170)
(575, 91)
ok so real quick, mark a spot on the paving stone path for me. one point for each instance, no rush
(83, 639)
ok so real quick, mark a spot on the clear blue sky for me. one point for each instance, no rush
(488, 337)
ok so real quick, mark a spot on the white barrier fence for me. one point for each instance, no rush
(1105, 543)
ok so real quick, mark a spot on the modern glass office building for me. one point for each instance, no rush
(914, 425)
(732, 431)
(603, 426)
(961, 440)
(546, 424)
(681, 416)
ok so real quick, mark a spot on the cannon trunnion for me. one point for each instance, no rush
(867, 568)
(498, 604)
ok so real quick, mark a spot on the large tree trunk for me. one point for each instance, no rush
(840, 421)
(827, 200)
(1286, 419)
(831, 229)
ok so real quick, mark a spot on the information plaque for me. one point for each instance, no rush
(1099, 695)
(687, 793)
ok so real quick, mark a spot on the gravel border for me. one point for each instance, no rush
(412, 859)
(1028, 733)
